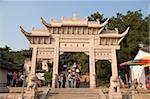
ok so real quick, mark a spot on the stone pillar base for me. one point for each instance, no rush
(30, 94)
(115, 95)
(92, 86)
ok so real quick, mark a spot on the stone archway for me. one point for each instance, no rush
(75, 35)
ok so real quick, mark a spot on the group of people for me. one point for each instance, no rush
(71, 78)
(15, 79)
(137, 84)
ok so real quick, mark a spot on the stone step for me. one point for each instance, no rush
(73, 90)
(73, 98)
(20, 89)
(80, 93)
(10, 95)
(57, 97)
(74, 95)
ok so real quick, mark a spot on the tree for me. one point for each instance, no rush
(96, 17)
(138, 34)
(8, 55)
(83, 61)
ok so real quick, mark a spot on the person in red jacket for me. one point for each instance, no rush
(14, 78)
(148, 81)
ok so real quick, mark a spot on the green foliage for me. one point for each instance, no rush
(67, 59)
(138, 33)
(13, 57)
(80, 58)
(83, 61)
(96, 16)
(103, 70)
(48, 77)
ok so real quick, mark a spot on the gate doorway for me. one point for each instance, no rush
(77, 62)
(103, 73)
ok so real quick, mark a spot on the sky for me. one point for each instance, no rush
(27, 13)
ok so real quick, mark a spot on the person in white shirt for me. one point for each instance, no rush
(69, 79)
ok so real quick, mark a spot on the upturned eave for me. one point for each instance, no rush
(45, 23)
(24, 32)
(116, 34)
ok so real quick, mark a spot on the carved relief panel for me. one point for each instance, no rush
(102, 54)
(45, 53)
(74, 44)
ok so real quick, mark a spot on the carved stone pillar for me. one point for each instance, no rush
(33, 65)
(92, 64)
(55, 63)
(114, 89)
(32, 92)
(114, 67)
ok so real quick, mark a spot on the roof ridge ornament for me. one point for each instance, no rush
(32, 28)
(98, 21)
(117, 31)
(103, 24)
(62, 17)
(45, 23)
(125, 32)
(123, 35)
(51, 19)
(86, 18)
(100, 31)
(74, 16)
(23, 31)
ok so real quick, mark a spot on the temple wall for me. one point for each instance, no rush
(3, 77)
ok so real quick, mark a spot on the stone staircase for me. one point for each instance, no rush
(75, 93)
(58, 93)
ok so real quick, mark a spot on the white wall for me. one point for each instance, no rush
(3, 76)
(138, 72)
(27, 64)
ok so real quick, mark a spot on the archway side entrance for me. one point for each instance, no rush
(75, 35)
(103, 73)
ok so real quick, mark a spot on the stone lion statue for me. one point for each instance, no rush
(114, 84)
(32, 82)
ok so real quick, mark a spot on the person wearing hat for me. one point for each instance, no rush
(69, 78)
(73, 73)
